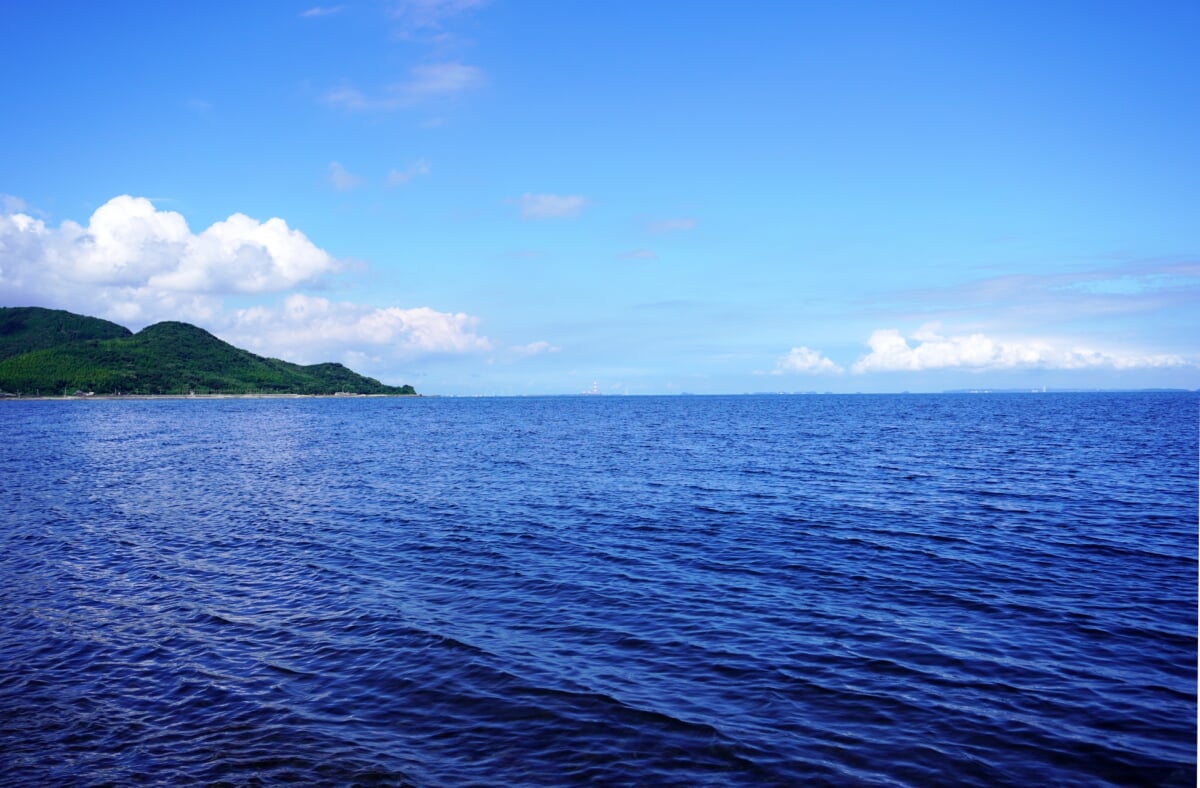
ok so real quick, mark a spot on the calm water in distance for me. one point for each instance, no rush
(724, 591)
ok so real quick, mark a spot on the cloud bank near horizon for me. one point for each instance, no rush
(313, 328)
(891, 351)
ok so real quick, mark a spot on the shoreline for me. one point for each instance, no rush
(89, 397)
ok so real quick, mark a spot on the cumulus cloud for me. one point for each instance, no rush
(805, 361)
(890, 351)
(132, 256)
(550, 206)
(424, 83)
(311, 329)
(400, 177)
(136, 265)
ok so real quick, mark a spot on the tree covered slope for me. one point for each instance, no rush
(165, 358)
(27, 328)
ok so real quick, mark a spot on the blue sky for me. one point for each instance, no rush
(503, 197)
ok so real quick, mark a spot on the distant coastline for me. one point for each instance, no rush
(51, 350)
(6, 397)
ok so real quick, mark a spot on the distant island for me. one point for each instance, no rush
(51, 352)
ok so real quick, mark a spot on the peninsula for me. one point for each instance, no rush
(50, 352)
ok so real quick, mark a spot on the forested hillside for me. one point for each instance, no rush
(49, 352)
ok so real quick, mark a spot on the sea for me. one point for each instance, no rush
(892, 590)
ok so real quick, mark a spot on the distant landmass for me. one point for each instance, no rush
(1044, 390)
(53, 352)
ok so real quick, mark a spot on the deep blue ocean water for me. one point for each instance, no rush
(804, 590)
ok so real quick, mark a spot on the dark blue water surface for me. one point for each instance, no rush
(876, 590)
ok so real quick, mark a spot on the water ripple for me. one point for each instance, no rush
(714, 591)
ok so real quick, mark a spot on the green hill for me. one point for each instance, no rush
(27, 328)
(70, 352)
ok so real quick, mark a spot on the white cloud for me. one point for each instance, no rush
(133, 262)
(399, 177)
(427, 82)
(891, 351)
(550, 206)
(342, 179)
(312, 329)
(805, 361)
(671, 225)
(535, 348)
(319, 11)
(136, 265)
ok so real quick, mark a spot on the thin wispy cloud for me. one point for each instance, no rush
(550, 206)
(431, 14)
(319, 11)
(342, 179)
(1135, 287)
(534, 349)
(400, 177)
(198, 106)
(10, 204)
(425, 83)
(442, 79)
(351, 98)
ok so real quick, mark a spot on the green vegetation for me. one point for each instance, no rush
(50, 352)
(28, 328)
